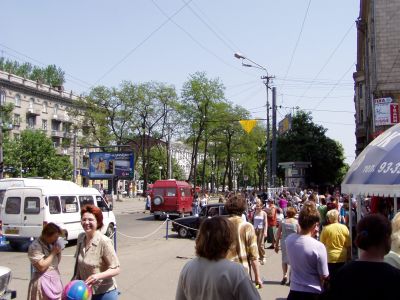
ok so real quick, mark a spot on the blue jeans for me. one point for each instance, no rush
(111, 295)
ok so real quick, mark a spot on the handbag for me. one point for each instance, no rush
(51, 284)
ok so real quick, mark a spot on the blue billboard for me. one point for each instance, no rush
(108, 165)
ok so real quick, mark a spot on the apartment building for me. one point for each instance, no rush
(377, 76)
(41, 107)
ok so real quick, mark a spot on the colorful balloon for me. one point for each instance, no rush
(77, 290)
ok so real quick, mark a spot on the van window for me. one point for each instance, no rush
(158, 192)
(170, 192)
(32, 205)
(86, 200)
(69, 204)
(54, 205)
(13, 205)
(185, 192)
(102, 204)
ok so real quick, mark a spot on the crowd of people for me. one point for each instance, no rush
(312, 232)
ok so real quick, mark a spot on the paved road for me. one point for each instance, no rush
(150, 266)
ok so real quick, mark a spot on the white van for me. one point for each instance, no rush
(26, 209)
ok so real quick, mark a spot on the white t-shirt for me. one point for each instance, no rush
(308, 260)
(202, 279)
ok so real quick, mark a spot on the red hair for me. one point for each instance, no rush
(96, 212)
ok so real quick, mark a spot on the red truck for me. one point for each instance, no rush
(171, 197)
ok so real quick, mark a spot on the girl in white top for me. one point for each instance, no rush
(261, 227)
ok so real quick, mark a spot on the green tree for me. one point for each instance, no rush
(306, 141)
(34, 154)
(198, 94)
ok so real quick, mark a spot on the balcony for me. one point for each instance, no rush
(56, 133)
(68, 135)
(33, 112)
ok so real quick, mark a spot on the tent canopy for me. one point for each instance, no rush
(376, 171)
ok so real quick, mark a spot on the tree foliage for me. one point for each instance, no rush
(306, 141)
(33, 154)
(50, 75)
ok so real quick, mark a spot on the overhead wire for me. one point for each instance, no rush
(338, 82)
(327, 61)
(298, 40)
(75, 79)
(196, 41)
(130, 52)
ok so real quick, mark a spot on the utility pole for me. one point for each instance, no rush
(74, 157)
(267, 80)
(274, 136)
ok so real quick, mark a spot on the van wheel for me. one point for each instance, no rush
(15, 245)
(156, 217)
(183, 232)
(110, 230)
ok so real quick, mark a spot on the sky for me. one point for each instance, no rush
(308, 46)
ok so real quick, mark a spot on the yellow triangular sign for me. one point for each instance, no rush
(248, 125)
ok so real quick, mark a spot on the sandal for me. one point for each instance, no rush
(284, 280)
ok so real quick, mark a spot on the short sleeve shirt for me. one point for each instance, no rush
(38, 250)
(100, 257)
(244, 246)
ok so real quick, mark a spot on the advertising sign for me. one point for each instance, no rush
(107, 165)
(386, 112)
(285, 124)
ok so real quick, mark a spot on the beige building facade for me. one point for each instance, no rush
(41, 107)
(377, 76)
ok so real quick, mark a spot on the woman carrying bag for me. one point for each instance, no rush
(45, 254)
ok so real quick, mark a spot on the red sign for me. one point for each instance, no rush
(394, 113)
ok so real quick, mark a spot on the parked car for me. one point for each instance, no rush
(5, 278)
(187, 226)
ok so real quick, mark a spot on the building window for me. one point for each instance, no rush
(360, 90)
(55, 125)
(45, 107)
(44, 125)
(361, 116)
(31, 102)
(17, 100)
(55, 109)
(31, 122)
(2, 97)
(17, 120)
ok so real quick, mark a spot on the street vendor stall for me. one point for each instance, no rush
(376, 171)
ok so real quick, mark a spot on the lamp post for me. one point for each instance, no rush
(160, 168)
(271, 172)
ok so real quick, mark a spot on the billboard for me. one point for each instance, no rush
(107, 165)
(285, 124)
(386, 112)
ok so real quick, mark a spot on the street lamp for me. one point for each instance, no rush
(160, 168)
(271, 172)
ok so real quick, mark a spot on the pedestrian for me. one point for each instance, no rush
(203, 200)
(244, 248)
(96, 261)
(148, 201)
(369, 277)
(336, 238)
(393, 257)
(260, 223)
(272, 223)
(283, 203)
(288, 226)
(210, 275)
(195, 204)
(307, 257)
(45, 255)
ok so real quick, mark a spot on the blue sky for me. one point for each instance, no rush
(309, 46)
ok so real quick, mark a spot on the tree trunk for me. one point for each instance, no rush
(203, 173)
